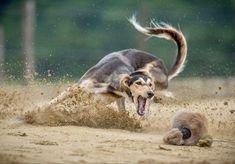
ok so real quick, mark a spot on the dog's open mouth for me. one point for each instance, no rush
(141, 105)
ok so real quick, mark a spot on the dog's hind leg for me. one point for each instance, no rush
(121, 103)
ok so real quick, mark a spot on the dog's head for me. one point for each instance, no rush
(140, 89)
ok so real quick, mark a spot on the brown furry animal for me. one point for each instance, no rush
(188, 129)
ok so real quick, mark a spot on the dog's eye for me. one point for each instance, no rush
(138, 83)
(150, 84)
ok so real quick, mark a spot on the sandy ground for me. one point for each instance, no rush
(21, 142)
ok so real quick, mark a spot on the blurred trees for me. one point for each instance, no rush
(71, 36)
(2, 54)
(28, 39)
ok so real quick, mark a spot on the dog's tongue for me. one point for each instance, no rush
(141, 105)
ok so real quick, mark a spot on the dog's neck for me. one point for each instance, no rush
(127, 91)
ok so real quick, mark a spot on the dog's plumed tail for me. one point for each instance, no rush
(166, 31)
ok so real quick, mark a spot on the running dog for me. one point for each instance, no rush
(131, 73)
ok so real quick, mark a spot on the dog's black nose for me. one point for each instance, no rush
(150, 94)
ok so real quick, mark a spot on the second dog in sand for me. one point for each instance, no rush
(188, 128)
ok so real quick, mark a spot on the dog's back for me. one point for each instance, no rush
(112, 66)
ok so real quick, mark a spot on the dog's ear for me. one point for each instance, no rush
(125, 81)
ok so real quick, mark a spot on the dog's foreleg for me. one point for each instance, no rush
(121, 103)
(65, 94)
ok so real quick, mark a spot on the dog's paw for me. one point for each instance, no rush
(173, 137)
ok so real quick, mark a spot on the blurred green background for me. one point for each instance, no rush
(70, 36)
